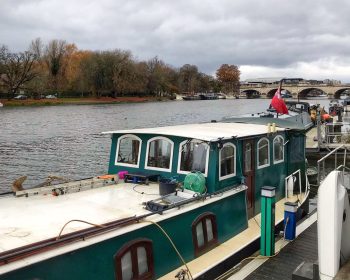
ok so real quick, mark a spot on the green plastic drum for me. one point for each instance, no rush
(195, 181)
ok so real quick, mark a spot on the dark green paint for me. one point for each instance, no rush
(96, 261)
(267, 239)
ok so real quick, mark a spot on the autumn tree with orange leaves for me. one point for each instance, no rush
(228, 76)
(58, 67)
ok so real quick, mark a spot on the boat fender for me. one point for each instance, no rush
(268, 128)
(273, 127)
(107, 176)
(290, 185)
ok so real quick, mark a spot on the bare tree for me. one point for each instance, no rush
(188, 78)
(37, 48)
(54, 57)
(17, 69)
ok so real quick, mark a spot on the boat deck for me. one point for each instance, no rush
(302, 249)
(210, 260)
(25, 220)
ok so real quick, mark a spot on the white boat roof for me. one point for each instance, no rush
(26, 220)
(31, 219)
(203, 131)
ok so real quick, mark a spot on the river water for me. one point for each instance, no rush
(67, 141)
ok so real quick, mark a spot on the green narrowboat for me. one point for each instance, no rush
(178, 201)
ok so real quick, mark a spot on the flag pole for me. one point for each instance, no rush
(280, 89)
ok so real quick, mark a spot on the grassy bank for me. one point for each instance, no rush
(77, 101)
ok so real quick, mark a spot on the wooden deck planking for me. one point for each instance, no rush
(281, 267)
(231, 246)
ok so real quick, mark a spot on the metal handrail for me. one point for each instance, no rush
(286, 182)
(323, 159)
(342, 166)
(331, 135)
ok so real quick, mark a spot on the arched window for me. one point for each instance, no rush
(204, 233)
(128, 151)
(263, 153)
(193, 156)
(278, 149)
(135, 261)
(159, 154)
(227, 159)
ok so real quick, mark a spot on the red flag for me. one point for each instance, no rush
(278, 103)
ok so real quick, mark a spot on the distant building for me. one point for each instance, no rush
(331, 82)
(271, 81)
(294, 81)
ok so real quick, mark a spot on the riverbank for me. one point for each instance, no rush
(78, 101)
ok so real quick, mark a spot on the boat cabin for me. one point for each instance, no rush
(102, 228)
(226, 153)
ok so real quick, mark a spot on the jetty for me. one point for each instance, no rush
(307, 257)
(327, 136)
(289, 256)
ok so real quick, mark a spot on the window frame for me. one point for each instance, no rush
(208, 245)
(273, 147)
(117, 151)
(235, 169)
(171, 154)
(268, 153)
(179, 157)
(132, 247)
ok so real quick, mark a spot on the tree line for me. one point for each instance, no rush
(61, 68)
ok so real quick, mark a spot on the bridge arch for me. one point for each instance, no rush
(312, 91)
(272, 92)
(251, 93)
(340, 92)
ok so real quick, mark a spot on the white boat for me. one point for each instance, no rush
(333, 225)
(1, 105)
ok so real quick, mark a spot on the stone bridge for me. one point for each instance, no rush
(267, 91)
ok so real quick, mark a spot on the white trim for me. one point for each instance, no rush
(235, 161)
(273, 150)
(268, 153)
(171, 154)
(115, 232)
(179, 157)
(117, 150)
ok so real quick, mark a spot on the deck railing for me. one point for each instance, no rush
(289, 185)
(321, 163)
(335, 133)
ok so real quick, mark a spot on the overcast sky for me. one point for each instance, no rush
(265, 38)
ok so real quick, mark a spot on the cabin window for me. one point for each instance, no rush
(204, 233)
(263, 153)
(227, 159)
(278, 149)
(193, 156)
(248, 157)
(159, 154)
(135, 261)
(128, 151)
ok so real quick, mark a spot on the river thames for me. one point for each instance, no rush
(67, 141)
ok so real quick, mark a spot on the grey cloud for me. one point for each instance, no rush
(271, 33)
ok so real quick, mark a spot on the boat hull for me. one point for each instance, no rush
(94, 259)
